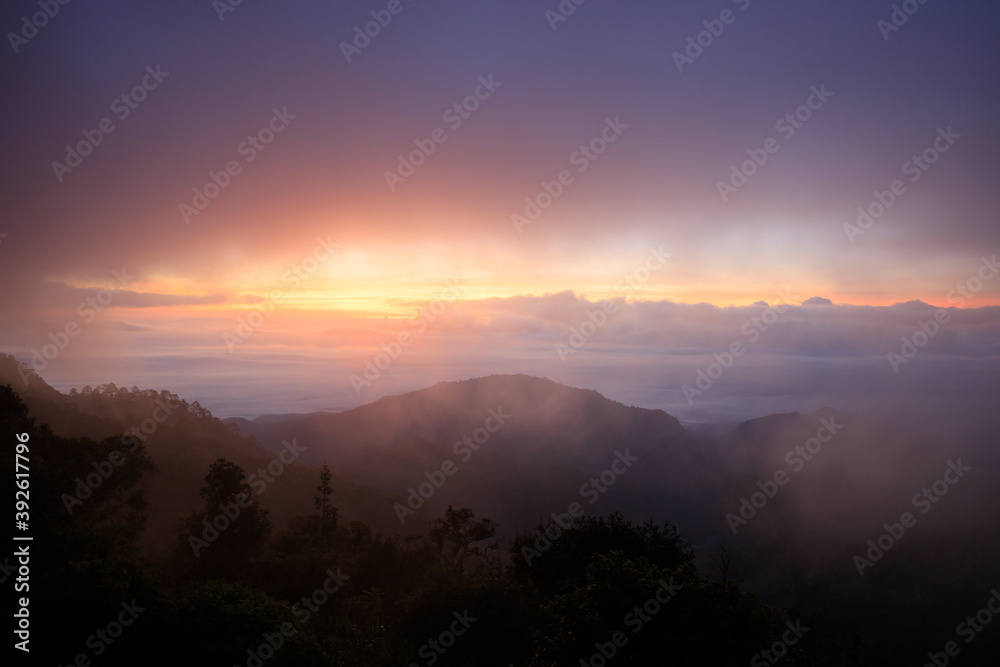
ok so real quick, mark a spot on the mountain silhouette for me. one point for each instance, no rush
(554, 439)
(182, 447)
(794, 497)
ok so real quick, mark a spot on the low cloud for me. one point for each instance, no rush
(798, 357)
(129, 299)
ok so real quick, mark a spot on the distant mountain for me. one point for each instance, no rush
(843, 477)
(277, 418)
(549, 441)
(796, 497)
(182, 447)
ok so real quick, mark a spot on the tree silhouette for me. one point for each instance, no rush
(458, 535)
(232, 527)
(327, 512)
(723, 565)
(87, 508)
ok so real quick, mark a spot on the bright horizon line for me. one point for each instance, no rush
(380, 304)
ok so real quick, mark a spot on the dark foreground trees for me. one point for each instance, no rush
(610, 588)
(598, 591)
(232, 529)
(84, 512)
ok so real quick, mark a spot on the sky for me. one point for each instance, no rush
(249, 204)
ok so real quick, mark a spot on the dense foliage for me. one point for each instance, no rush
(593, 591)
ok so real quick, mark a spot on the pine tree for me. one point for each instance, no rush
(327, 512)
